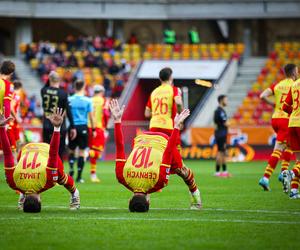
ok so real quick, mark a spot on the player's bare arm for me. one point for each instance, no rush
(91, 118)
(179, 103)
(265, 95)
(179, 118)
(57, 117)
(116, 111)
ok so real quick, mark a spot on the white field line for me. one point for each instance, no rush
(178, 209)
(152, 219)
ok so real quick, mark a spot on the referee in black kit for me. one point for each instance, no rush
(221, 131)
(53, 97)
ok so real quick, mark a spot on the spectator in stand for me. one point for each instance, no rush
(113, 68)
(169, 36)
(118, 86)
(109, 43)
(89, 60)
(79, 43)
(107, 83)
(194, 36)
(29, 54)
(132, 39)
(70, 42)
(72, 61)
(97, 43)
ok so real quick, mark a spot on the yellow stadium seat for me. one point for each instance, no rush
(240, 48)
(34, 63)
(176, 55)
(147, 55)
(203, 47)
(22, 47)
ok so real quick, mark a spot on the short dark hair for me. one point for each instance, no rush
(31, 204)
(7, 67)
(17, 84)
(165, 74)
(139, 203)
(78, 85)
(289, 69)
(221, 98)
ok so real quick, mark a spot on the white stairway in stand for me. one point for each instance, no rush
(31, 82)
(247, 74)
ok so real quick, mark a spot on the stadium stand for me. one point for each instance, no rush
(252, 111)
(108, 62)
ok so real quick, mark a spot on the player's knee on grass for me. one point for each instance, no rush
(32, 204)
(139, 203)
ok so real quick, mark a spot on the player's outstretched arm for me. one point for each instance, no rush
(56, 118)
(172, 143)
(7, 153)
(116, 111)
(179, 118)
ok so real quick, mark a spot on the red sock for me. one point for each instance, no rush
(286, 158)
(296, 169)
(189, 179)
(272, 163)
(295, 183)
(68, 183)
(94, 156)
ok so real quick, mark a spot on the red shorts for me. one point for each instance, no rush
(294, 138)
(281, 128)
(98, 142)
(176, 161)
(13, 133)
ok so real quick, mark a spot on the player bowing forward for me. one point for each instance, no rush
(148, 166)
(38, 169)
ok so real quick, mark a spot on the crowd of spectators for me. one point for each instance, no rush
(76, 57)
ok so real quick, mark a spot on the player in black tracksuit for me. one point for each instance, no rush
(52, 97)
(221, 131)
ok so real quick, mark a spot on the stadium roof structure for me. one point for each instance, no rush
(150, 9)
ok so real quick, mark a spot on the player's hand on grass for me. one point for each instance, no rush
(179, 118)
(57, 117)
(115, 110)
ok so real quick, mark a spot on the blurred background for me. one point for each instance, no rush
(239, 45)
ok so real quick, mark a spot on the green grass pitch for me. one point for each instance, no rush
(236, 214)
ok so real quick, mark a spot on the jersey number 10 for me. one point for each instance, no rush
(141, 158)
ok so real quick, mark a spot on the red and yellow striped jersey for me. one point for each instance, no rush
(162, 106)
(30, 173)
(280, 91)
(142, 168)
